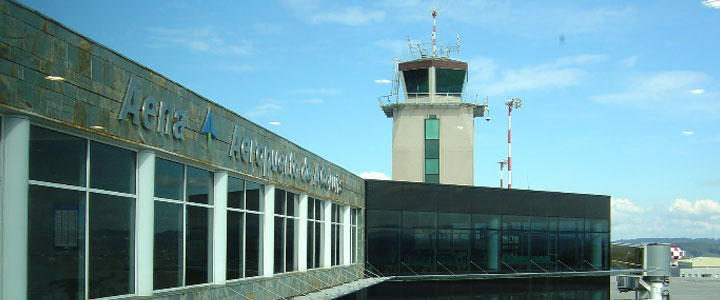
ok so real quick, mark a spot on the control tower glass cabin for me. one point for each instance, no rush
(433, 128)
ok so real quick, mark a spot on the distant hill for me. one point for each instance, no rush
(692, 247)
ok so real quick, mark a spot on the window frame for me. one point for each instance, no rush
(245, 211)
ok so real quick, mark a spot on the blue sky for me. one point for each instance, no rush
(626, 104)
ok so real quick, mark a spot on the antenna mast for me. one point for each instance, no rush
(434, 14)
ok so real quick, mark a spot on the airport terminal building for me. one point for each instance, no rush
(120, 183)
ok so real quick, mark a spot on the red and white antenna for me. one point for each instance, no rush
(434, 15)
(502, 164)
(517, 103)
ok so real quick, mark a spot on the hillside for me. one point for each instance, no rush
(692, 247)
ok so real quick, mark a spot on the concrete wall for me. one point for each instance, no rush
(456, 142)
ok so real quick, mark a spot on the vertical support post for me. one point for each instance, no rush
(509, 161)
(16, 141)
(267, 228)
(345, 236)
(432, 88)
(220, 181)
(326, 256)
(302, 237)
(493, 243)
(145, 222)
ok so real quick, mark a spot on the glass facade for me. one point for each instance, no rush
(576, 288)
(415, 228)
(183, 225)
(286, 220)
(432, 150)
(83, 220)
(316, 220)
(335, 235)
(449, 82)
(416, 82)
(243, 228)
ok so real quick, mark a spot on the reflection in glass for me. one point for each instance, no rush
(112, 246)
(279, 244)
(235, 193)
(290, 241)
(168, 179)
(252, 244)
(198, 246)
(199, 183)
(56, 243)
(168, 246)
(112, 168)
(253, 193)
(57, 157)
(234, 245)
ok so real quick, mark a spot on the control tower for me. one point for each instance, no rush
(433, 125)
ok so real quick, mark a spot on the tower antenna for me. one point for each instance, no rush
(434, 15)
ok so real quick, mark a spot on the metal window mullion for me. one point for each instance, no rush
(244, 231)
(87, 220)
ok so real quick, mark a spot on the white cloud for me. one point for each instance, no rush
(315, 101)
(688, 132)
(661, 90)
(316, 12)
(382, 81)
(560, 73)
(275, 123)
(697, 91)
(620, 205)
(201, 39)
(270, 106)
(374, 175)
(699, 207)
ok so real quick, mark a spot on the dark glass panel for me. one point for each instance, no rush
(597, 250)
(199, 246)
(485, 222)
(252, 245)
(414, 219)
(570, 224)
(515, 250)
(168, 179)
(383, 249)
(596, 225)
(311, 209)
(416, 81)
(515, 202)
(333, 245)
(570, 251)
(319, 210)
(453, 221)
(538, 224)
(449, 82)
(597, 207)
(112, 246)
(291, 204)
(56, 244)
(236, 193)
(199, 183)
(279, 256)
(432, 166)
(112, 168)
(253, 194)
(484, 252)
(290, 253)
(318, 243)
(234, 245)
(168, 245)
(417, 250)
(432, 178)
(432, 148)
(280, 201)
(453, 250)
(353, 244)
(515, 223)
(542, 252)
(57, 157)
(310, 244)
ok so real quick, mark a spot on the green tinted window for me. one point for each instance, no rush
(432, 129)
(432, 178)
(432, 149)
(449, 81)
(432, 166)
(416, 81)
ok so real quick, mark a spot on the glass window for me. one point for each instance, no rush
(432, 178)
(252, 245)
(57, 157)
(253, 194)
(235, 245)
(449, 82)
(236, 193)
(112, 247)
(243, 230)
(416, 81)
(314, 232)
(198, 249)
(168, 179)
(199, 183)
(336, 234)
(432, 129)
(168, 249)
(432, 166)
(285, 231)
(112, 168)
(86, 239)
(432, 149)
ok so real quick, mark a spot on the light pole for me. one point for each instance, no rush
(517, 103)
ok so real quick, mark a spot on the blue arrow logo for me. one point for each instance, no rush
(208, 126)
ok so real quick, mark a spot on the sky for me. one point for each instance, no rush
(620, 98)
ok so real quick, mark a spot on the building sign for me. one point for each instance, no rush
(155, 116)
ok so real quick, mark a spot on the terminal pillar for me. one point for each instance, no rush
(326, 256)
(146, 221)
(267, 230)
(302, 233)
(220, 226)
(493, 243)
(345, 236)
(15, 175)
